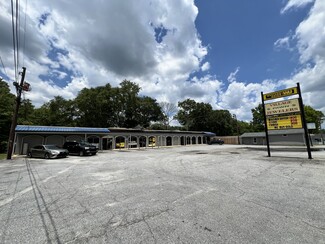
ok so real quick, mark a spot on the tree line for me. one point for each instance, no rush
(122, 106)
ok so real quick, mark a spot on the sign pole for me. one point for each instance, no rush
(304, 122)
(265, 126)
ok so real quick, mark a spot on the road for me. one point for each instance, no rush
(192, 194)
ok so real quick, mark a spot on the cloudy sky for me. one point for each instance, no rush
(223, 52)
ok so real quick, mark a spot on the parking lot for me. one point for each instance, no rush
(192, 194)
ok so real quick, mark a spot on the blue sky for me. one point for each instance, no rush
(221, 52)
(244, 36)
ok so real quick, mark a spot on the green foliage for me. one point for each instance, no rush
(7, 101)
(56, 112)
(257, 123)
(119, 106)
(201, 117)
(313, 116)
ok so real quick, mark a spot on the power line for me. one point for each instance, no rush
(25, 33)
(17, 31)
(14, 37)
(3, 66)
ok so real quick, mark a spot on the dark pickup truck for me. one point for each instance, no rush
(216, 141)
(80, 148)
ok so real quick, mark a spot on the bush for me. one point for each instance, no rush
(3, 146)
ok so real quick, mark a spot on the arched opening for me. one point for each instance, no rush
(31, 141)
(169, 141)
(94, 140)
(205, 140)
(188, 140)
(120, 142)
(74, 138)
(152, 141)
(199, 140)
(182, 140)
(193, 140)
(55, 140)
(133, 142)
(107, 143)
(142, 141)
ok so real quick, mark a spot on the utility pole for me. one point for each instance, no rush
(19, 89)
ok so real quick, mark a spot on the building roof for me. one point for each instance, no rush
(273, 132)
(61, 129)
(118, 129)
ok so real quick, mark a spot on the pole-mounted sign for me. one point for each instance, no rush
(282, 93)
(287, 114)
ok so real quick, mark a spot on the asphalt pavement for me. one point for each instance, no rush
(185, 194)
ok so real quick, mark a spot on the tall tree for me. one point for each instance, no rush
(26, 113)
(7, 101)
(313, 116)
(169, 110)
(185, 113)
(258, 119)
(148, 111)
(56, 112)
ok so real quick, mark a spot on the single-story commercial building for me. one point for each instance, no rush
(276, 137)
(27, 136)
(136, 138)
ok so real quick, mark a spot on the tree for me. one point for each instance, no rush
(201, 117)
(169, 110)
(107, 106)
(26, 113)
(185, 113)
(313, 116)
(7, 101)
(56, 112)
(222, 123)
(148, 111)
(257, 123)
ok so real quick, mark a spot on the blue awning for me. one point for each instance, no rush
(210, 133)
(62, 129)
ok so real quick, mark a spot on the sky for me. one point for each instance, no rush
(223, 52)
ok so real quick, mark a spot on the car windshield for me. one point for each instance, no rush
(85, 143)
(51, 147)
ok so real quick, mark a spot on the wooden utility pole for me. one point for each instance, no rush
(19, 88)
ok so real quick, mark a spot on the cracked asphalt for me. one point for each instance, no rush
(192, 194)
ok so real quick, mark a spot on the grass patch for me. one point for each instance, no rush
(3, 156)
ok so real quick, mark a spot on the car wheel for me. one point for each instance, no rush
(47, 156)
(81, 153)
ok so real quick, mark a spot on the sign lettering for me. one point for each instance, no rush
(282, 107)
(281, 93)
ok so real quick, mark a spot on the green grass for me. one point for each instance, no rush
(3, 156)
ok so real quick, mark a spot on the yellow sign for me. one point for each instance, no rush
(282, 107)
(284, 122)
(281, 93)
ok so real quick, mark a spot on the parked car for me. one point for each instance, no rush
(47, 151)
(80, 148)
(216, 141)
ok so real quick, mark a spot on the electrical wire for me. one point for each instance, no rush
(14, 37)
(17, 37)
(4, 68)
(17, 31)
(25, 33)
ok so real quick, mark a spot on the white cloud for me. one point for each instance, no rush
(205, 66)
(99, 42)
(232, 76)
(285, 43)
(108, 41)
(292, 4)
